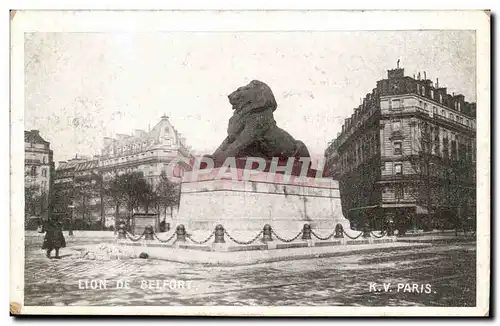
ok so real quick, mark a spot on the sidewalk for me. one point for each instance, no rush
(76, 234)
(437, 238)
(251, 257)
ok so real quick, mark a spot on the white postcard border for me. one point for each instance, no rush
(153, 21)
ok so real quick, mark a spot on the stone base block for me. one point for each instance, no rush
(247, 205)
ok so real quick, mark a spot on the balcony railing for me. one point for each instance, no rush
(446, 119)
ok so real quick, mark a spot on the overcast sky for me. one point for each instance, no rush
(81, 87)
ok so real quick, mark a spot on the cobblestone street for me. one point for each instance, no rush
(441, 275)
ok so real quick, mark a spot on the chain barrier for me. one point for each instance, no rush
(243, 242)
(201, 242)
(129, 236)
(164, 241)
(353, 238)
(286, 240)
(383, 234)
(322, 238)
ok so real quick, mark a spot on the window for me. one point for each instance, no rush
(425, 106)
(441, 98)
(420, 104)
(399, 192)
(33, 170)
(398, 168)
(432, 94)
(434, 110)
(467, 122)
(459, 106)
(396, 125)
(397, 148)
(443, 113)
(43, 159)
(423, 90)
(44, 172)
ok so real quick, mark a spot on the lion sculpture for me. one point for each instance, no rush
(252, 130)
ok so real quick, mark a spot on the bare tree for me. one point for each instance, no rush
(440, 178)
(31, 200)
(168, 194)
(113, 190)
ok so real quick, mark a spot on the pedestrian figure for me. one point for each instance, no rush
(54, 238)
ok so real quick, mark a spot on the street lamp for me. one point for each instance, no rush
(71, 220)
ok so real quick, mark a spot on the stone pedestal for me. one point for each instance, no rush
(244, 205)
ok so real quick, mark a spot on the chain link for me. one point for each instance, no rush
(201, 242)
(164, 241)
(243, 242)
(135, 239)
(353, 238)
(286, 240)
(321, 238)
(383, 234)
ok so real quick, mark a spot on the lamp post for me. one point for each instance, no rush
(71, 220)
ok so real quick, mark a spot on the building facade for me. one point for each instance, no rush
(407, 155)
(38, 175)
(83, 182)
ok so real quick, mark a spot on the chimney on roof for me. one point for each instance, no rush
(35, 131)
(437, 82)
(425, 76)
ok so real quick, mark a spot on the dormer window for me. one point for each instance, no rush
(167, 130)
(441, 98)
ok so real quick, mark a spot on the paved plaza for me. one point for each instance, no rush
(438, 275)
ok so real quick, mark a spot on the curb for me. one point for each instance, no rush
(234, 258)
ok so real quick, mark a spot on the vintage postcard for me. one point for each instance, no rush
(250, 163)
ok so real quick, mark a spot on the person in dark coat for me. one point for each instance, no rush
(54, 238)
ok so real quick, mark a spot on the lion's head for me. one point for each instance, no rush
(255, 95)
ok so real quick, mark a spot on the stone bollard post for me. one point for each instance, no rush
(266, 234)
(122, 233)
(306, 232)
(390, 228)
(148, 232)
(339, 231)
(181, 233)
(366, 231)
(219, 234)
